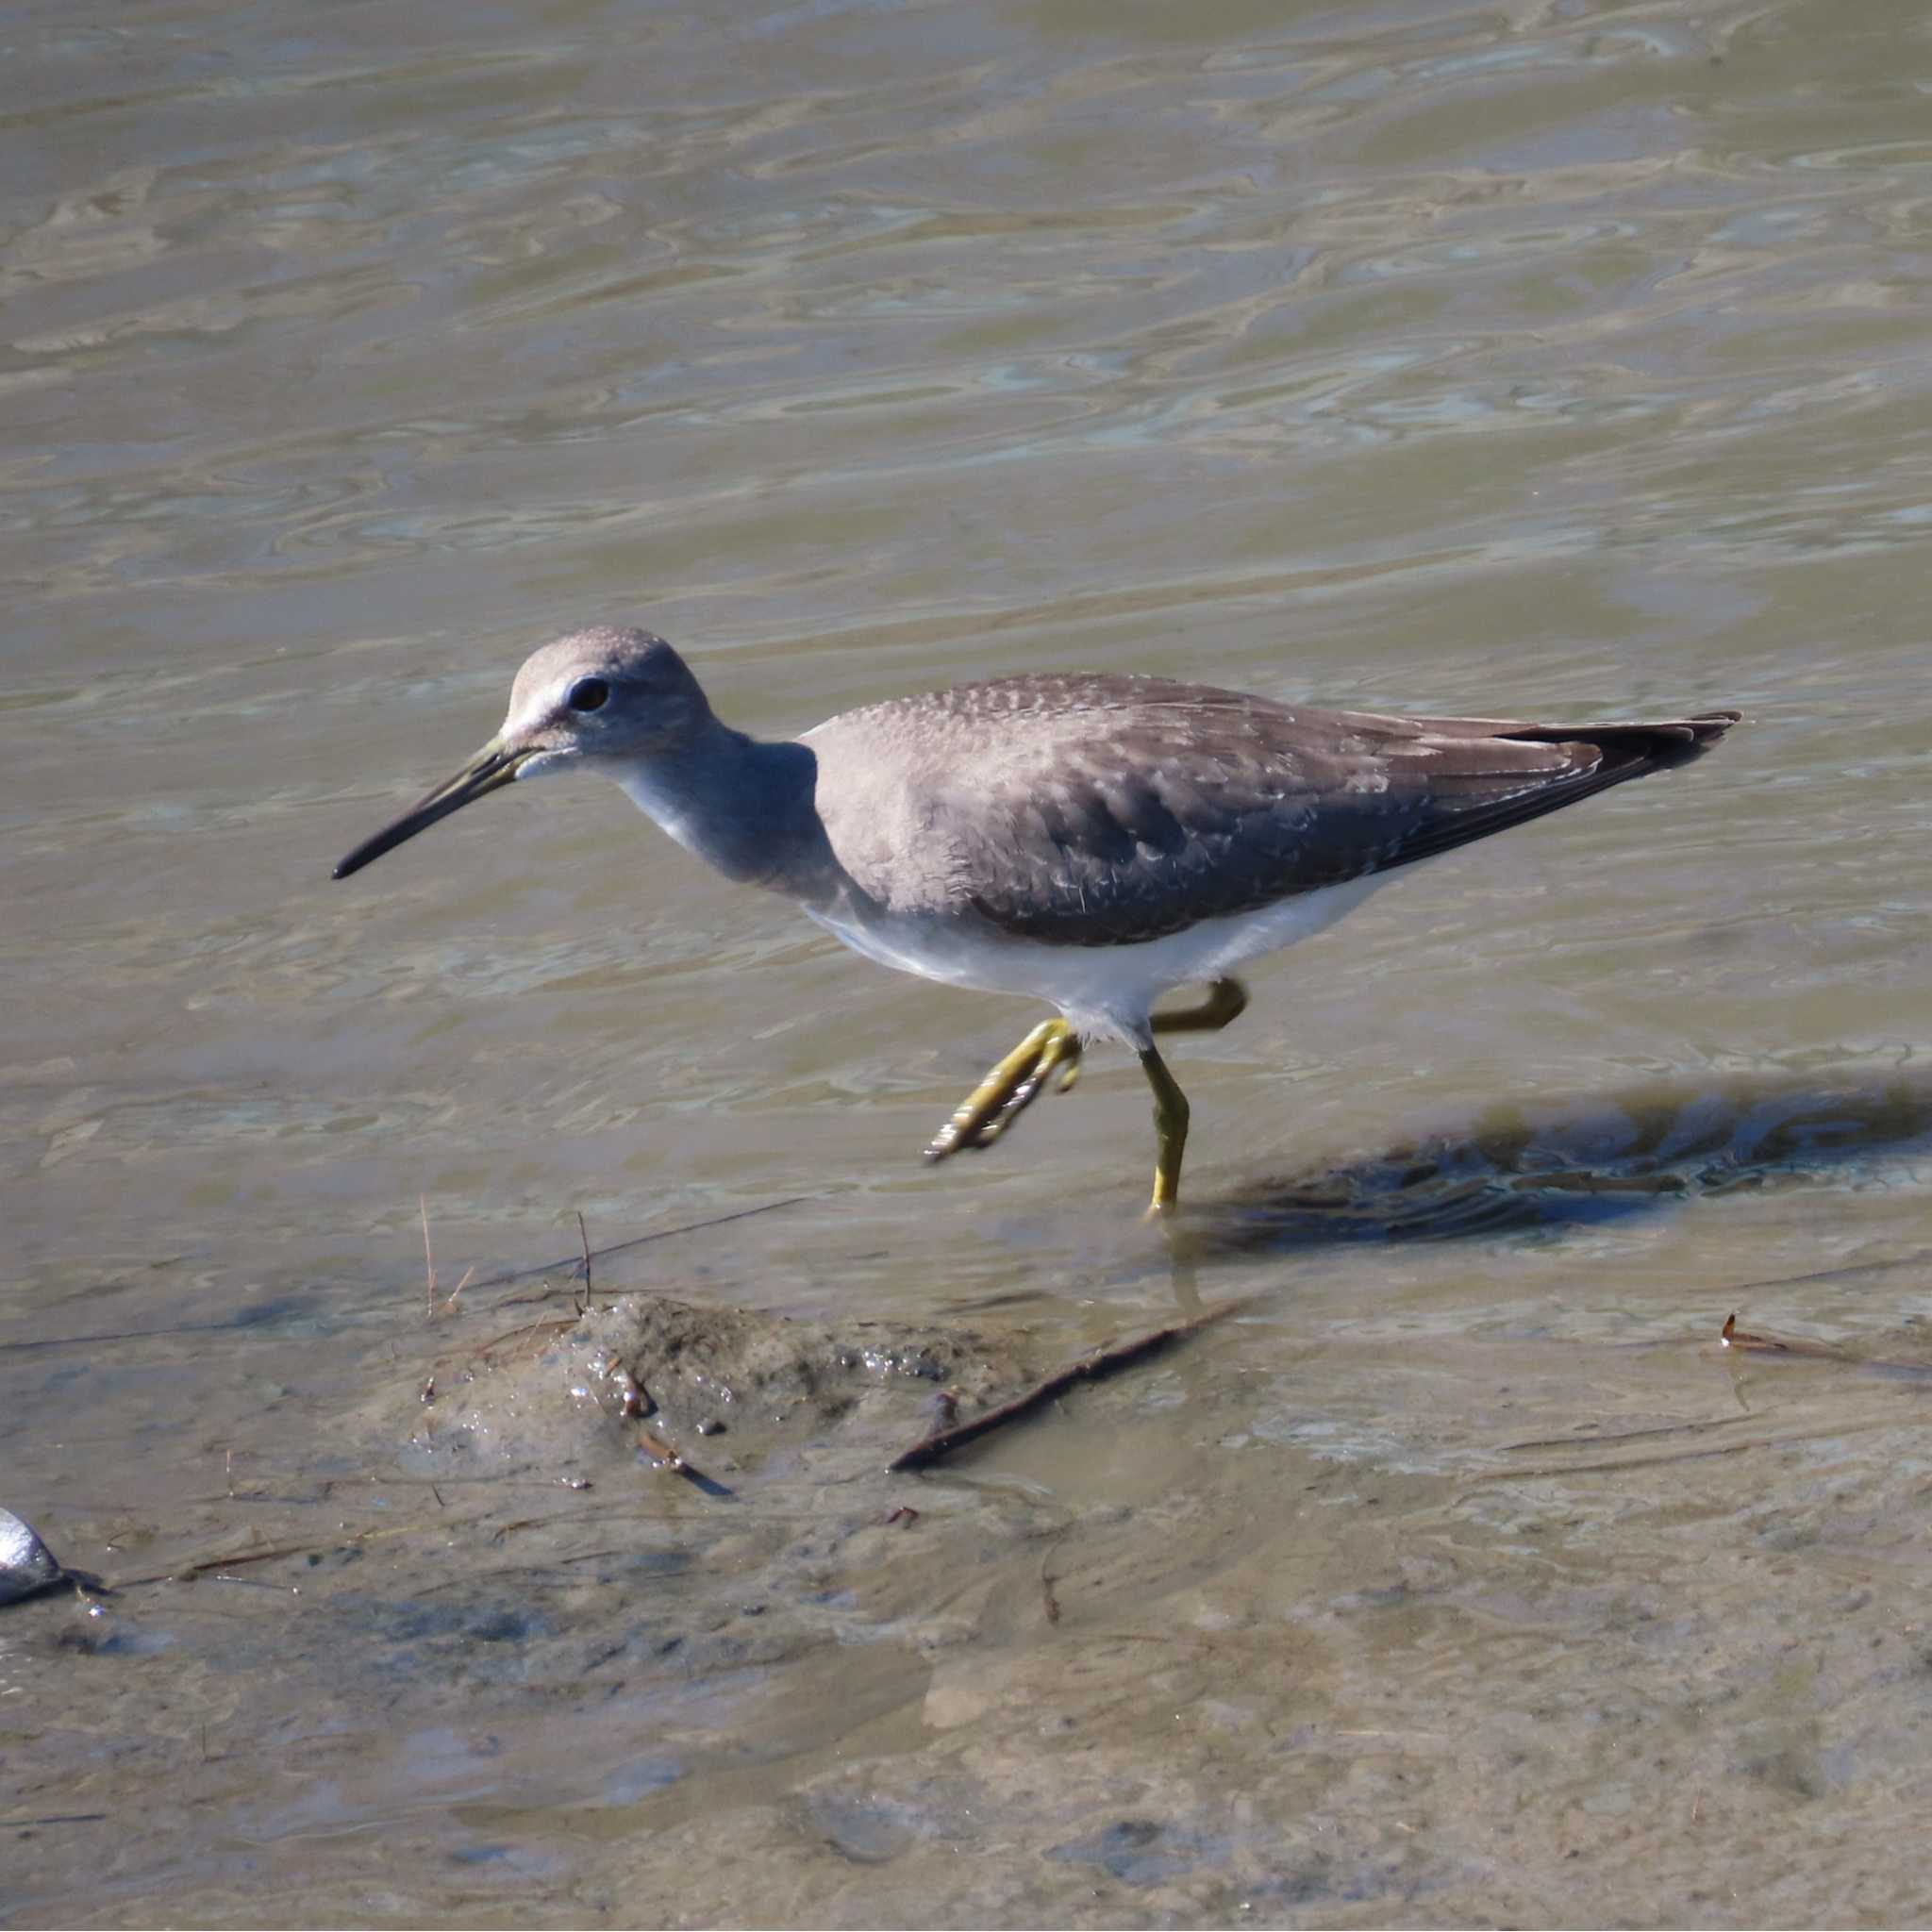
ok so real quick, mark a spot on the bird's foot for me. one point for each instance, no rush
(1011, 1087)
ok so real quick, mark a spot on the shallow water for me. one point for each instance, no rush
(1552, 359)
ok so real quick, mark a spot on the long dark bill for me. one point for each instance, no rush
(490, 770)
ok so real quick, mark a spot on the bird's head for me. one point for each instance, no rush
(622, 695)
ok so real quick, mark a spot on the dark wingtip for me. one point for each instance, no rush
(1697, 735)
(1653, 745)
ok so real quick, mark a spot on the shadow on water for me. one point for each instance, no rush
(1560, 1165)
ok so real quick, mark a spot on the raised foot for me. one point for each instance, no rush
(1009, 1089)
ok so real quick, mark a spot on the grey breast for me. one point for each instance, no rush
(1101, 810)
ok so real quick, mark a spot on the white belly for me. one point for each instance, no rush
(1105, 991)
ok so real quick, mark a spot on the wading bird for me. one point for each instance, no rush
(1088, 840)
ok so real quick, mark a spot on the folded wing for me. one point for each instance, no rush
(1104, 811)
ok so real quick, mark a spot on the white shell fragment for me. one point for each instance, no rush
(26, 1564)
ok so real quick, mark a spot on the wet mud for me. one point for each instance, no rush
(604, 1605)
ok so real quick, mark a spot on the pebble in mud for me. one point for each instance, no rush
(27, 1566)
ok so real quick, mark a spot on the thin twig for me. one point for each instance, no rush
(428, 1260)
(1699, 1427)
(234, 1560)
(561, 1326)
(1049, 1597)
(662, 1234)
(1089, 1368)
(583, 1235)
(542, 1294)
(44, 1343)
(1551, 1470)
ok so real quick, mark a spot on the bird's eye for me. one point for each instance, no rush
(586, 695)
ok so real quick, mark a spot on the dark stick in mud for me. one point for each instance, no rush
(1096, 1367)
(662, 1451)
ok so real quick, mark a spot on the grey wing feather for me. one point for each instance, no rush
(1139, 808)
(1206, 810)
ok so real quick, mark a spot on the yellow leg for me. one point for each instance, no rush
(1226, 1001)
(1053, 1046)
(1170, 1133)
(1009, 1089)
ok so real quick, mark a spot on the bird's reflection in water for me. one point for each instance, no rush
(1562, 1164)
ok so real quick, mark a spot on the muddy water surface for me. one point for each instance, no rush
(1554, 359)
